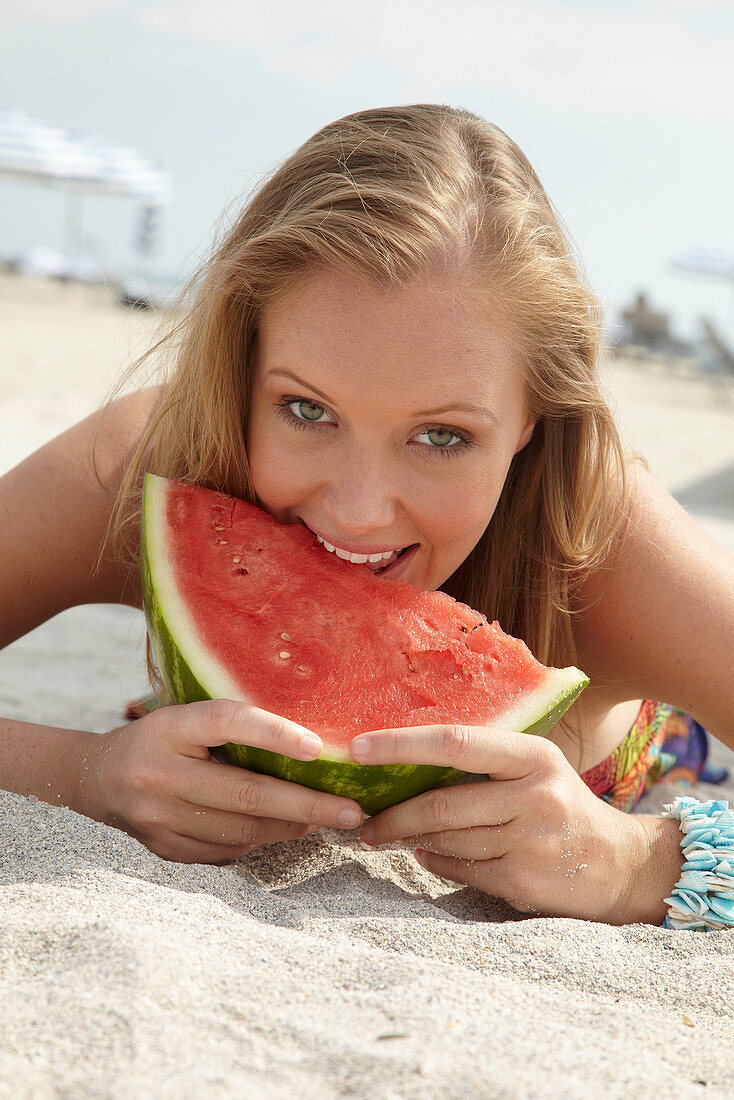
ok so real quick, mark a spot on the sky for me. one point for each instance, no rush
(625, 109)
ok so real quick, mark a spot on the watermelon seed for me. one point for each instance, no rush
(412, 668)
(237, 560)
(285, 637)
(241, 572)
(301, 668)
(284, 654)
(221, 542)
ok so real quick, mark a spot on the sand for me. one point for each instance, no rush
(319, 968)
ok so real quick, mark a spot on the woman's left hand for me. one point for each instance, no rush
(533, 833)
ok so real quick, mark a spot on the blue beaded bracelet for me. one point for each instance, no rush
(703, 897)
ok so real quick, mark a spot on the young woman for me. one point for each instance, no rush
(393, 344)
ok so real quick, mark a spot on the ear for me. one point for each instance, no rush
(526, 433)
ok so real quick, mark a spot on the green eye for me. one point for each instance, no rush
(443, 441)
(440, 437)
(309, 410)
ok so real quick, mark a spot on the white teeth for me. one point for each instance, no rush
(357, 559)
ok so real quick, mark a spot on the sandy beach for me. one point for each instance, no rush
(319, 968)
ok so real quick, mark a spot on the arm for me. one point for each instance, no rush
(47, 762)
(660, 625)
(53, 519)
(660, 618)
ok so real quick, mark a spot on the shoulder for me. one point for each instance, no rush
(107, 440)
(56, 507)
(652, 621)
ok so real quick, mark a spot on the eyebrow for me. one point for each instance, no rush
(476, 410)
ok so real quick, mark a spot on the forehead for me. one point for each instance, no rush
(428, 333)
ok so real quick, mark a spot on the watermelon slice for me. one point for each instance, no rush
(239, 606)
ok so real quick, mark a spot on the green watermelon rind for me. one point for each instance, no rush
(374, 787)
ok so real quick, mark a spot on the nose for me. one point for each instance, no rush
(360, 494)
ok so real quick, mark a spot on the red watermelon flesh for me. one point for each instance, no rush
(240, 606)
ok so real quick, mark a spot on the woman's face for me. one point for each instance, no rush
(385, 419)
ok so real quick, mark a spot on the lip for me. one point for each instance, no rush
(396, 568)
(352, 548)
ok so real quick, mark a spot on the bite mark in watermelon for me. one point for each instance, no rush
(241, 607)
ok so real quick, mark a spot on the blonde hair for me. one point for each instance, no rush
(396, 194)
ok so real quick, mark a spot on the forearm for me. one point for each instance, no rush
(658, 867)
(49, 763)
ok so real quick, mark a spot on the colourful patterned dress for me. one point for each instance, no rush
(664, 745)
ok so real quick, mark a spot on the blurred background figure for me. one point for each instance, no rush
(646, 329)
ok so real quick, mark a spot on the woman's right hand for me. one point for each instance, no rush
(156, 779)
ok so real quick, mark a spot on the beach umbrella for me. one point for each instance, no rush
(36, 152)
(713, 263)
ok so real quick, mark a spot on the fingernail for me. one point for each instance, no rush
(349, 819)
(360, 746)
(311, 744)
(368, 834)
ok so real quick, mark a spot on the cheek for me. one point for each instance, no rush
(268, 463)
(460, 512)
(278, 483)
(283, 470)
(453, 527)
